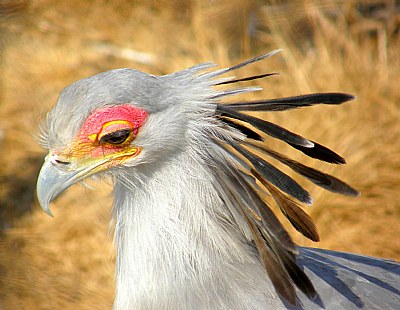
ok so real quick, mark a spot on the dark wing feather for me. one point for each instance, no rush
(281, 104)
(273, 266)
(320, 152)
(319, 178)
(249, 78)
(275, 176)
(277, 250)
(274, 236)
(297, 217)
(276, 254)
(247, 197)
(253, 60)
(251, 134)
(297, 275)
(308, 147)
(269, 128)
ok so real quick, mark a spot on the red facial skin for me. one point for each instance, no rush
(105, 121)
(96, 121)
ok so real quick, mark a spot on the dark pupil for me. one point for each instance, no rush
(116, 137)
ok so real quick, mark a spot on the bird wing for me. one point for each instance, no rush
(349, 281)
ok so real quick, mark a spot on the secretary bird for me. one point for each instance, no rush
(192, 230)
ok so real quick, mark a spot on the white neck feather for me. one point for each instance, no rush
(179, 248)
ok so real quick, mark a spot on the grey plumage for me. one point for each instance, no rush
(349, 281)
(192, 231)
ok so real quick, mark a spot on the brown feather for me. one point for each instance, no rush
(297, 217)
(277, 250)
(274, 268)
(245, 194)
(297, 275)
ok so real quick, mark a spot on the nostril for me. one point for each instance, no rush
(55, 160)
(61, 162)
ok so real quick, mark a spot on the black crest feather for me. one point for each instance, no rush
(276, 249)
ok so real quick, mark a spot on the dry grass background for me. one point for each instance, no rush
(351, 46)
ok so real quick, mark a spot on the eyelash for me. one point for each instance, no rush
(116, 137)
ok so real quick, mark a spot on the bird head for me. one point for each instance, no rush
(119, 119)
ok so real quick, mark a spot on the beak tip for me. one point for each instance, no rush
(45, 206)
(48, 211)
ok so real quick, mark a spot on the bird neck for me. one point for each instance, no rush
(178, 245)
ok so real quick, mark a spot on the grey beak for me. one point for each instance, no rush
(51, 182)
(55, 177)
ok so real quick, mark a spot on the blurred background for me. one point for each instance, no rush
(349, 46)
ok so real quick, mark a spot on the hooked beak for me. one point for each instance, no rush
(55, 177)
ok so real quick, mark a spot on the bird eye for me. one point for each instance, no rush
(116, 137)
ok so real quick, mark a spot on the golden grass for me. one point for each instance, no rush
(350, 46)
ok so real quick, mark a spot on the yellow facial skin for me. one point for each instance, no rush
(112, 144)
